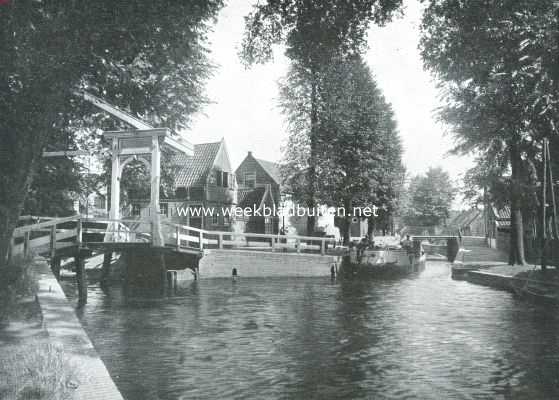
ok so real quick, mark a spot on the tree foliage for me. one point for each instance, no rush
(313, 33)
(430, 198)
(498, 67)
(144, 56)
(358, 150)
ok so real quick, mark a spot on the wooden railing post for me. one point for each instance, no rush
(220, 241)
(152, 226)
(298, 245)
(178, 243)
(52, 242)
(322, 247)
(201, 239)
(26, 238)
(273, 244)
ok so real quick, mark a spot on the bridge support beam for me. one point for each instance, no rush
(81, 278)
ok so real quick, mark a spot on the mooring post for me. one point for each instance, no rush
(81, 278)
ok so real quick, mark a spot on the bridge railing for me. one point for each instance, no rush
(120, 230)
(53, 234)
(182, 237)
(46, 237)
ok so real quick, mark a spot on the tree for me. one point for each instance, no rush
(314, 33)
(358, 148)
(498, 66)
(147, 57)
(430, 199)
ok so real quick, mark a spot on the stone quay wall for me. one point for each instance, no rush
(220, 264)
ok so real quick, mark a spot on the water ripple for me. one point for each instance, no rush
(426, 337)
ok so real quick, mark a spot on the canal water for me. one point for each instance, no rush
(422, 337)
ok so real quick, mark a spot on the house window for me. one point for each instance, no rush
(218, 178)
(225, 179)
(163, 208)
(250, 180)
(136, 210)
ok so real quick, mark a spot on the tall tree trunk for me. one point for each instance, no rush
(516, 255)
(347, 221)
(311, 202)
(11, 204)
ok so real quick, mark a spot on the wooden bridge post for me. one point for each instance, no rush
(11, 249)
(81, 278)
(52, 242)
(106, 269)
(26, 238)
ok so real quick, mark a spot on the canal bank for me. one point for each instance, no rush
(525, 280)
(65, 330)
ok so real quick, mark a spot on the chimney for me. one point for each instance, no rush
(250, 153)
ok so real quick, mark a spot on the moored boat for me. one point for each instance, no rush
(385, 262)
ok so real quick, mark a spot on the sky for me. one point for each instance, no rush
(244, 107)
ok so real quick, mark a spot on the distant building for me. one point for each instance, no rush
(203, 183)
(469, 222)
(259, 186)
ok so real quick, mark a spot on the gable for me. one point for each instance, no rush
(193, 170)
(266, 172)
(222, 161)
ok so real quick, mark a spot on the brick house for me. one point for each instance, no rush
(259, 186)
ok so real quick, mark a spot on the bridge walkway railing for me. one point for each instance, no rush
(57, 234)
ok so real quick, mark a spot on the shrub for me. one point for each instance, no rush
(17, 280)
(36, 371)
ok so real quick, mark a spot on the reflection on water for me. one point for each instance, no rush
(426, 337)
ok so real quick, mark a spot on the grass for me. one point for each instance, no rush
(36, 371)
(32, 368)
(17, 283)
